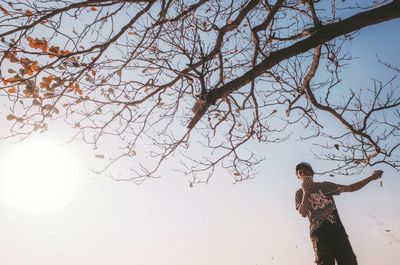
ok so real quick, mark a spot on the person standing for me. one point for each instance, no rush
(315, 201)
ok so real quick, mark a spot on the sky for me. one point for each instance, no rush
(94, 220)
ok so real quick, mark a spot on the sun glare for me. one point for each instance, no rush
(38, 174)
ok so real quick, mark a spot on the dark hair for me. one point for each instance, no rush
(304, 165)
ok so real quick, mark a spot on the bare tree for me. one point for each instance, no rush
(158, 78)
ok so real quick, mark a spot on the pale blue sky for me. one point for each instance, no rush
(164, 221)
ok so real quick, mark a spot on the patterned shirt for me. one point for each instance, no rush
(322, 204)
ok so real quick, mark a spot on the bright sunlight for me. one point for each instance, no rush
(38, 174)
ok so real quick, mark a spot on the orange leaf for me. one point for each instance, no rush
(12, 90)
(11, 55)
(37, 43)
(65, 52)
(78, 89)
(53, 51)
(93, 72)
(31, 41)
(25, 61)
(11, 80)
(28, 13)
(29, 72)
(35, 67)
(44, 85)
(46, 82)
(93, 8)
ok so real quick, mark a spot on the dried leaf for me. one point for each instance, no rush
(48, 95)
(36, 103)
(154, 48)
(119, 72)
(11, 117)
(5, 11)
(336, 146)
(78, 89)
(28, 13)
(12, 90)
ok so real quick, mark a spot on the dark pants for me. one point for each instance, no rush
(331, 244)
